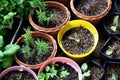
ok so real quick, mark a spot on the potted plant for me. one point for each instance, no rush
(92, 71)
(112, 71)
(36, 47)
(111, 49)
(90, 10)
(50, 17)
(18, 73)
(111, 24)
(60, 68)
(78, 39)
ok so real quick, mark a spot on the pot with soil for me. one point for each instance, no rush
(112, 71)
(36, 48)
(117, 5)
(51, 18)
(111, 24)
(60, 68)
(91, 10)
(18, 73)
(111, 50)
(78, 39)
(91, 70)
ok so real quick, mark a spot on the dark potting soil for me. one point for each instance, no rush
(109, 23)
(59, 17)
(91, 7)
(72, 76)
(78, 40)
(112, 69)
(18, 75)
(116, 49)
(36, 57)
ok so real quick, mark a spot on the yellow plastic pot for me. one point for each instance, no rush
(73, 24)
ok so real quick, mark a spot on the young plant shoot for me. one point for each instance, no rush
(109, 51)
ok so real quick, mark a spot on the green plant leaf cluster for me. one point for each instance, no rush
(32, 45)
(51, 72)
(7, 53)
(85, 72)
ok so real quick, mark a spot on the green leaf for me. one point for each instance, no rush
(53, 71)
(87, 74)
(1, 54)
(109, 51)
(64, 74)
(47, 69)
(114, 77)
(47, 76)
(11, 49)
(7, 63)
(41, 76)
(84, 67)
(1, 42)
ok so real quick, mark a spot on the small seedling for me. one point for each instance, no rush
(50, 71)
(76, 37)
(114, 77)
(109, 51)
(20, 75)
(115, 23)
(85, 71)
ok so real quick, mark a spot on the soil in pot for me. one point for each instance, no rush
(113, 25)
(62, 71)
(58, 18)
(18, 75)
(112, 70)
(113, 50)
(36, 57)
(78, 40)
(91, 7)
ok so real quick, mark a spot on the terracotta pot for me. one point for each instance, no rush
(15, 68)
(42, 35)
(53, 31)
(93, 19)
(68, 61)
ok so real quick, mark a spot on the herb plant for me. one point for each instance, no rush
(7, 53)
(115, 23)
(85, 71)
(51, 72)
(32, 45)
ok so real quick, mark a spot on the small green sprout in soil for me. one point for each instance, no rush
(109, 51)
(85, 72)
(7, 53)
(51, 72)
(114, 77)
(115, 23)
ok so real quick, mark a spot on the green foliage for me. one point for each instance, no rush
(50, 71)
(85, 72)
(109, 51)
(115, 23)
(7, 53)
(114, 77)
(42, 46)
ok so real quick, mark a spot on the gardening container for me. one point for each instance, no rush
(109, 22)
(54, 29)
(96, 70)
(17, 68)
(94, 19)
(117, 5)
(68, 61)
(76, 24)
(112, 71)
(111, 49)
(38, 35)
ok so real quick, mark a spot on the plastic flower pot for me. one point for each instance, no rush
(111, 68)
(68, 61)
(107, 22)
(74, 24)
(93, 19)
(41, 35)
(54, 30)
(97, 71)
(15, 68)
(105, 57)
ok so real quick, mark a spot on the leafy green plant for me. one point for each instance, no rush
(115, 23)
(7, 53)
(50, 71)
(85, 72)
(33, 45)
